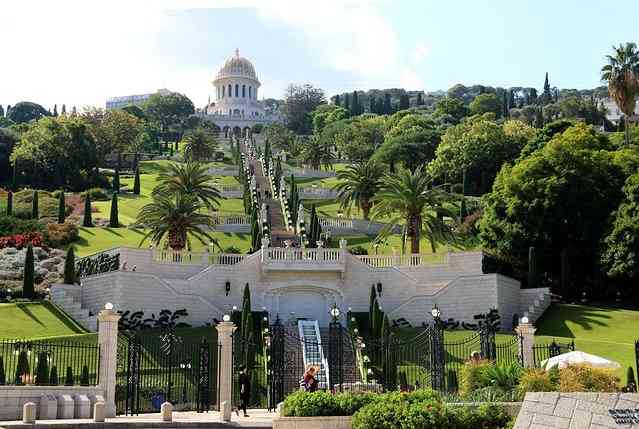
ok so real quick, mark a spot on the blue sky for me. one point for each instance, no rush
(81, 52)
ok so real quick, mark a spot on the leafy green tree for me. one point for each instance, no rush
(326, 114)
(114, 221)
(404, 102)
(42, 370)
(357, 185)
(557, 200)
(486, 103)
(316, 153)
(169, 111)
(136, 182)
(8, 140)
(354, 108)
(61, 207)
(134, 110)
(281, 138)
(10, 203)
(199, 145)
(299, 102)
(87, 221)
(451, 106)
(388, 107)
(122, 131)
(622, 74)
(356, 139)
(620, 254)
(176, 217)
(411, 199)
(28, 278)
(69, 267)
(35, 211)
(192, 179)
(26, 111)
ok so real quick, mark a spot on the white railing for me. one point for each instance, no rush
(309, 172)
(223, 171)
(230, 188)
(328, 222)
(303, 256)
(195, 258)
(225, 258)
(318, 193)
(386, 261)
(240, 219)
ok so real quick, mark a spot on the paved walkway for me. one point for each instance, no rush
(181, 419)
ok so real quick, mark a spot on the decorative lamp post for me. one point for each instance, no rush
(437, 350)
(335, 313)
(227, 287)
(379, 289)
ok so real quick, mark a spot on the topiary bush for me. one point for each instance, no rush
(22, 369)
(584, 378)
(305, 404)
(484, 416)
(68, 379)
(53, 376)
(3, 377)
(42, 370)
(84, 376)
(402, 411)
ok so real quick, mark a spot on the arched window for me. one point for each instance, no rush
(250, 92)
(237, 90)
(229, 92)
(243, 91)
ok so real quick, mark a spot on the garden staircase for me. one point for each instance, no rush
(312, 350)
(73, 309)
(537, 306)
(350, 371)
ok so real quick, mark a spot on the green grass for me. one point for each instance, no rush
(35, 320)
(609, 332)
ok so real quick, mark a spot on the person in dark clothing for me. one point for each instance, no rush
(309, 382)
(245, 390)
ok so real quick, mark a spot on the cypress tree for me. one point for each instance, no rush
(347, 103)
(246, 327)
(505, 104)
(113, 218)
(9, 203)
(35, 212)
(69, 267)
(379, 108)
(371, 104)
(354, 104)
(533, 272)
(338, 101)
(1, 111)
(68, 379)
(116, 181)
(22, 368)
(84, 376)
(14, 177)
(631, 383)
(136, 182)
(64, 109)
(420, 99)
(55, 110)
(462, 209)
(404, 102)
(28, 278)
(53, 376)
(388, 108)
(3, 377)
(87, 221)
(61, 207)
(371, 310)
(42, 370)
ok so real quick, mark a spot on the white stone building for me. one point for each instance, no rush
(237, 107)
(132, 100)
(295, 283)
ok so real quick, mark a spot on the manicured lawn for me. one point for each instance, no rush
(35, 320)
(603, 331)
(93, 240)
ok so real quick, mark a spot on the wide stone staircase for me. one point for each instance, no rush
(350, 373)
(536, 305)
(67, 303)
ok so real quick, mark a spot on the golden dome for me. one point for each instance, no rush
(237, 66)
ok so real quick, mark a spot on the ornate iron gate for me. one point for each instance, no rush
(252, 355)
(157, 367)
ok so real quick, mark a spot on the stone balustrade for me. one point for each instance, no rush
(318, 193)
(397, 260)
(238, 219)
(289, 258)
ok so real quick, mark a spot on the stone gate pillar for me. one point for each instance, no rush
(225, 380)
(526, 332)
(108, 343)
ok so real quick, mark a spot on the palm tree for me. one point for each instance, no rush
(358, 184)
(175, 217)
(199, 145)
(316, 154)
(412, 199)
(622, 75)
(191, 178)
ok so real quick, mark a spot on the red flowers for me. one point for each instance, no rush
(22, 240)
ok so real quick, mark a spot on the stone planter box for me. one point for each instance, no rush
(332, 422)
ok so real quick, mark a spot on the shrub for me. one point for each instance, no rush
(472, 376)
(10, 225)
(304, 404)
(358, 250)
(349, 403)
(484, 416)
(232, 249)
(60, 234)
(42, 370)
(84, 376)
(386, 414)
(53, 376)
(535, 380)
(96, 194)
(584, 378)
(504, 377)
(22, 369)
(68, 379)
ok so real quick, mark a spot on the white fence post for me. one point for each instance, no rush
(108, 343)
(526, 332)
(225, 382)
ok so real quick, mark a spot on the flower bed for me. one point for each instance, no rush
(421, 409)
(22, 240)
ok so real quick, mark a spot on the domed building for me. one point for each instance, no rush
(237, 107)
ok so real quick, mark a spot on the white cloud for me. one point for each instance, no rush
(410, 79)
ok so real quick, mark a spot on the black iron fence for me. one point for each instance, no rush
(49, 363)
(542, 352)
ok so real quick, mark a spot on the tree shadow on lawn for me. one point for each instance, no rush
(26, 310)
(553, 322)
(64, 318)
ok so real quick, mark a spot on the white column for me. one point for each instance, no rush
(225, 339)
(108, 343)
(526, 332)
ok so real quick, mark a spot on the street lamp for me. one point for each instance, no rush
(226, 318)
(334, 312)
(436, 313)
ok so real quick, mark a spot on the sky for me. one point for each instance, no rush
(80, 52)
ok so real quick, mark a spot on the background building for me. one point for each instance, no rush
(128, 100)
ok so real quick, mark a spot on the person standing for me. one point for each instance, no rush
(245, 390)
(309, 382)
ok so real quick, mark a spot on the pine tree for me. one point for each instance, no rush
(533, 272)
(28, 277)
(116, 180)
(22, 368)
(338, 101)
(354, 104)
(53, 376)
(42, 370)
(388, 107)
(35, 212)
(10, 203)
(64, 109)
(371, 104)
(136, 182)
(114, 222)
(87, 221)
(505, 104)
(546, 85)
(3, 377)
(55, 110)
(404, 102)
(69, 267)
(61, 207)
(347, 103)
(68, 379)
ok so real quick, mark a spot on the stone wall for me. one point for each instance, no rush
(579, 410)
(13, 398)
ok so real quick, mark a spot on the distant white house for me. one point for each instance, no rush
(613, 114)
(129, 100)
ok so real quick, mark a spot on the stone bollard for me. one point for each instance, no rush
(225, 411)
(98, 412)
(48, 407)
(29, 413)
(167, 412)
